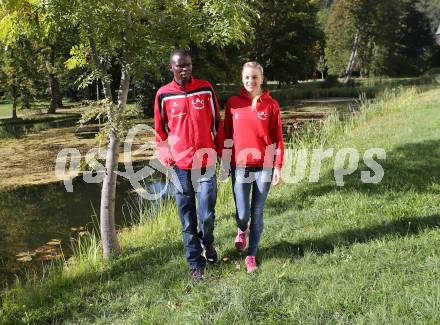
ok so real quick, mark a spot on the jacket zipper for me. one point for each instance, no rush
(190, 118)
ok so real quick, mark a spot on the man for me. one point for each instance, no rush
(189, 137)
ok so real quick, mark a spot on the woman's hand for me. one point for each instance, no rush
(276, 179)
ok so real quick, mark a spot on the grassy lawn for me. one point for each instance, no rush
(5, 110)
(357, 254)
(38, 107)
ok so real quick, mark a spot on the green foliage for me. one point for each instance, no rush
(218, 65)
(340, 34)
(287, 42)
(20, 68)
(78, 57)
(431, 8)
(394, 37)
(49, 35)
(154, 28)
(138, 37)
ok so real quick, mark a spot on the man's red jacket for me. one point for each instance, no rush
(188, 125)
(257, 134)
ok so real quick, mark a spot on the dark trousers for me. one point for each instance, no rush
(197, 222)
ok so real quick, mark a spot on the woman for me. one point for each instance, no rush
(252, 121)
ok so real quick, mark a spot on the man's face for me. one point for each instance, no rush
(181, 65)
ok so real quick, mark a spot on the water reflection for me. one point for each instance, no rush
(34, 215)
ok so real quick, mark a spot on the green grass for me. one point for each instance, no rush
(5, 110)
(358, 254)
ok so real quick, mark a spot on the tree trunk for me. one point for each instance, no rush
(25, 99)
(110, 244)
(109, 238)
(351, 61)
(55, 94)
(437, 35)
(54, 84)
(108, 195)
(14, 101)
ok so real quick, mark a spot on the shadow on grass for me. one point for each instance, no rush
(140, 265)
(327, 244)
(413, 166)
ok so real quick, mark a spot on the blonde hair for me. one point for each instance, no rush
(254, 65)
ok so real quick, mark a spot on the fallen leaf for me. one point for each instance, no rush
(47, 257)
(54, 242)
(225, 259)
(237, 265)
(27, 258)
(45, 249)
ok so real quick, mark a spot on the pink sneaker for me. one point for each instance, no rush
(240, 240)
(251, 263)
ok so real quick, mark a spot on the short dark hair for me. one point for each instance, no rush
(181, 52)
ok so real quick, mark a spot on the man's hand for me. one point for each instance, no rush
(276, 179)
(223, 173)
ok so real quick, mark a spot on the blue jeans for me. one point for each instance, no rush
(205, 190)
(243, 181)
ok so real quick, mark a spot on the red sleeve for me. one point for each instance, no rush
(228, 121)
(276, 135)
(160, 125)
(218, 131)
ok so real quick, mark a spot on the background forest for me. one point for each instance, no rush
(47, 54)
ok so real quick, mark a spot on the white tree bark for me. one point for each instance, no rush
(351, 61)
(110, 244)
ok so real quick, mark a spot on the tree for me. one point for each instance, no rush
(19, 72)
(431, 9)
(286, 39)
(386, 34)
(31, 20)
(409, 49)
(137, 36)
(437, 35)
(340, 33)
(321, 66)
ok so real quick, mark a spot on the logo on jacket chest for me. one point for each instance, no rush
(177, 112)
(198, 103)
(262, 116)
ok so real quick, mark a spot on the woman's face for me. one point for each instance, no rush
(252, 80)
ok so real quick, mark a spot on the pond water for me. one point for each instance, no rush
(34, 215)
